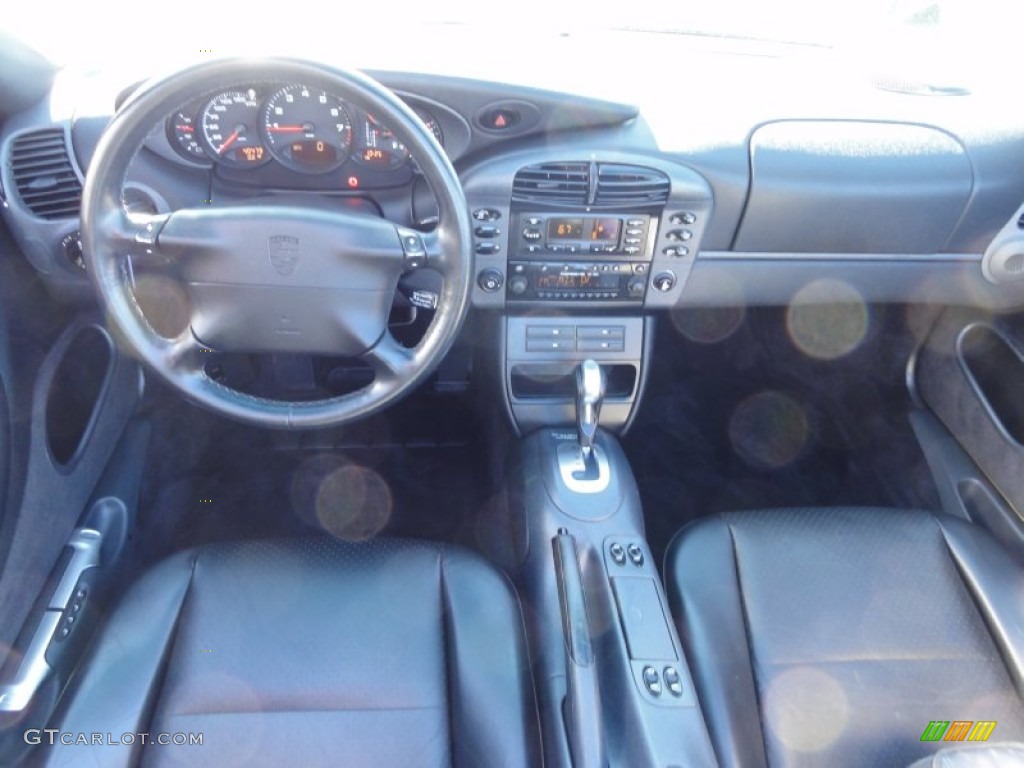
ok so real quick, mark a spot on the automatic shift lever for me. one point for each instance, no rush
(589, 396)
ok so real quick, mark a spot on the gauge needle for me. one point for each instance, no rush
(286, 128)
(229, 141)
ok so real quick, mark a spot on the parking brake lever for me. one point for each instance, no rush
(582, 709)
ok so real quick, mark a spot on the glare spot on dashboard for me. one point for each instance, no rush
(827, 319)
(708, 325)
(806, 709)
(353, 503)
(769, 430)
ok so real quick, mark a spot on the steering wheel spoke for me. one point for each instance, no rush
(389, 359)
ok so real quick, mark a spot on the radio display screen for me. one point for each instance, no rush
(598, 230)
(576, 281)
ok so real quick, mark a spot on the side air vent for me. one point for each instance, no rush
(630, 185)
(43, 175)
(1020, 222)
(567, 183)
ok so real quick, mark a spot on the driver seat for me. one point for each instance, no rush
(309, 652)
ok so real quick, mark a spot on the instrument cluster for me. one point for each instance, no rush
(305, 130)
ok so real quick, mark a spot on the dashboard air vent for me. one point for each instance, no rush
(553, 183)
(1020, 222)
(43, 175)
(629, 185)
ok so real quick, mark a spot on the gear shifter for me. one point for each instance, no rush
(589, 396)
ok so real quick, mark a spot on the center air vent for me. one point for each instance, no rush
(630, 185)
(43, 175)
(567, 183)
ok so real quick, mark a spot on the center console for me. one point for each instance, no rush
(576, 253)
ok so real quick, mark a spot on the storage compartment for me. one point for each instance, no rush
(996, 371)
(558, 380)
(75, 390)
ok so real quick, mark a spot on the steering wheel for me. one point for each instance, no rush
(275, 278)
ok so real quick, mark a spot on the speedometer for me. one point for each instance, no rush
(230, 125)
(307, 130)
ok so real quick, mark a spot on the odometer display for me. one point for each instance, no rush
(307, 130)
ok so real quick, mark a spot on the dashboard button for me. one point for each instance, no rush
(531, 234)
(634, 222)
(684, 217)
(631, 250)
(671, 678)
(485, 249)
(550, 345)
(487, 230)
(600, 345)
(601, 332)
(534, 221)
(550, 331)
(486, 214)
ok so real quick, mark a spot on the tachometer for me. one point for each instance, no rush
(306, 129)
(230, 127)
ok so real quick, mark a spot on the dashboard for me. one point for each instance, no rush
(901, 198)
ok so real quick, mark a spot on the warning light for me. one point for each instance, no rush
(500, 121)
(353, 182)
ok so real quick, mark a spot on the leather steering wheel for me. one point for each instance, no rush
(277, 276)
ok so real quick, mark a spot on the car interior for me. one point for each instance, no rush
(389, 417)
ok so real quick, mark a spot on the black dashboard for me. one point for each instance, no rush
(899, 197)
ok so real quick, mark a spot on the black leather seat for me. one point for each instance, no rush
(833, 637)
(314, 652)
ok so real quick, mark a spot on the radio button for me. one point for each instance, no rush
(597, 249)
(631, 250)
(518, 284)
(634, 222)
(534, 221)
(534, 248)
(634, 232)
(639, 269)
(531, 234)
(632, 241)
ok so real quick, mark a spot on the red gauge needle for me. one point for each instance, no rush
(286, 128)
(185, 128)
(228, 142)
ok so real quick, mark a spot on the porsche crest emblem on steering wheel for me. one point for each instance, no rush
(284, 252)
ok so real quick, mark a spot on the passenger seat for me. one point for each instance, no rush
(848, 636)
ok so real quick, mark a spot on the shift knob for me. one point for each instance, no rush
(589, 396)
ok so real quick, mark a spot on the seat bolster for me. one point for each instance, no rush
(493, 704)
(1010, 755)
(127, 658)
(705, 600)
(996, 582)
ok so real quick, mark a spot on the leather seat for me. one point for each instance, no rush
(311, 652)
(833, 637)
